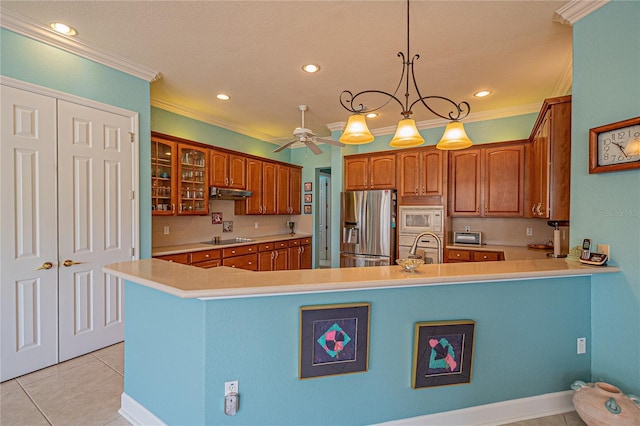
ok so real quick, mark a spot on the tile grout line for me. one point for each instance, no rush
(108, 365)
(34, 403)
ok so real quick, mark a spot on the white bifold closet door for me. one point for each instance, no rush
(67, 178)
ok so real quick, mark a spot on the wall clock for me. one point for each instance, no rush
(615, 146)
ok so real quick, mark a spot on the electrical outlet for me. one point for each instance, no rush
(230, 387)
(166, 230)
(582, 345)
(467, 228)
(255, 225)
(529, 232)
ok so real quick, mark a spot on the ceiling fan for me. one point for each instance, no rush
(307, 137)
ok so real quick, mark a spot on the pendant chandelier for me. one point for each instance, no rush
(407, 135)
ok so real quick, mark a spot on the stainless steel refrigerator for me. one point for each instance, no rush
(368, 221)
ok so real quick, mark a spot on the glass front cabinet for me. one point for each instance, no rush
(179, 178)
(193, 194)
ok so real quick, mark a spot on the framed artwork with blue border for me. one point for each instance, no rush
(334, 339)
(443, 353)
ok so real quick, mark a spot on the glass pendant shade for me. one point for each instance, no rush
(406, 134)
(356, 132)
(454, 137)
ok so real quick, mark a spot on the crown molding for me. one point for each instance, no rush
(575, 10)
(28, 28)
(210, 119)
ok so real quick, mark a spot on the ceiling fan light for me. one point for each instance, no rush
(407, 134)
(356, 132)
(454, 137)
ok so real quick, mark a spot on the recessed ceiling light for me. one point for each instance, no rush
(63, 28)
(223, 97)
(482, 93)
(372, 115)
(311, 68)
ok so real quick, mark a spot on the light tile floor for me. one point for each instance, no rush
(85, 391)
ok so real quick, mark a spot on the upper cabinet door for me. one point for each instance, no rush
(219, 169)
(193, 190)
(356, 173)
(464, 197)
(163, 187)
(409, 173)
(504, 181)
(283, 189)
(295, 190)
(237, 171)
(382, 171)
(269, 190)
(431, 171)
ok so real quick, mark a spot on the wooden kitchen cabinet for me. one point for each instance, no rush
(300, 253)
(241, 257)
(179, 177)
(184, 258)
(273, 256)
(549, 162)
(228, 170)
(421, 175)
(206, 258)
(488, 181)
(370, 171)
(163, 187)
(465, 180)
(262, 182)
(193, 188)
(288, 188)
(464, 255)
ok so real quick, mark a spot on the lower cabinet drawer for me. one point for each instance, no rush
(459, 255)
(204, 255)
(207, 264)
(239, 250)
(247, 261)
(178, 258)
(485, 256)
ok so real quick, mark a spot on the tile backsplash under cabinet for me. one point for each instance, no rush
(194, 229)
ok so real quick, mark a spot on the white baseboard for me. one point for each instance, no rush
(136, 414)
(482, 415)
(498, 413)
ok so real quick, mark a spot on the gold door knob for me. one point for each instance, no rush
(45, 265)
(70, 262)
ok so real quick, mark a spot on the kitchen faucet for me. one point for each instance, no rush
(414, 246)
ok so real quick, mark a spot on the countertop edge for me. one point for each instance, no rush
(142, 272)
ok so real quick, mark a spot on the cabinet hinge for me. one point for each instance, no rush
(132, 137)
(133, 251)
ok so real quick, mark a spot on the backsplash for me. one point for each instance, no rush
(509, 231)
(194, 229)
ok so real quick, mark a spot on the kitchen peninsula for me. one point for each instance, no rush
(189, 330)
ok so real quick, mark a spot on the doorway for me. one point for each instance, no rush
(323, 224)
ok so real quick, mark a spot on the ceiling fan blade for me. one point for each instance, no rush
(285, 145)
(329, 141)
(313, 147)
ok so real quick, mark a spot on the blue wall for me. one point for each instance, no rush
(524, 346)
(606, 207)
(25, 59)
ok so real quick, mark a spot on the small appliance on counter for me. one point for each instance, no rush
(468, 237)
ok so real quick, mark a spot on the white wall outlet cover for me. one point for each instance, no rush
(230, 387)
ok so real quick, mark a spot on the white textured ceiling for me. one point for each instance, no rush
(254, 50)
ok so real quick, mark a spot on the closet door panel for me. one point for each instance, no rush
(28, 227)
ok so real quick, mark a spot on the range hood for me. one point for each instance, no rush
(216, 193)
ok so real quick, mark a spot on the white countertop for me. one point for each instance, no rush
(224, 282)
(187, 248)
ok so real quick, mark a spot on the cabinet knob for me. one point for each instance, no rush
(457, 254)
(233, 252)
(206, 255)
(484, 257)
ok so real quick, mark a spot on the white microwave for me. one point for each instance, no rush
(417, 219)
